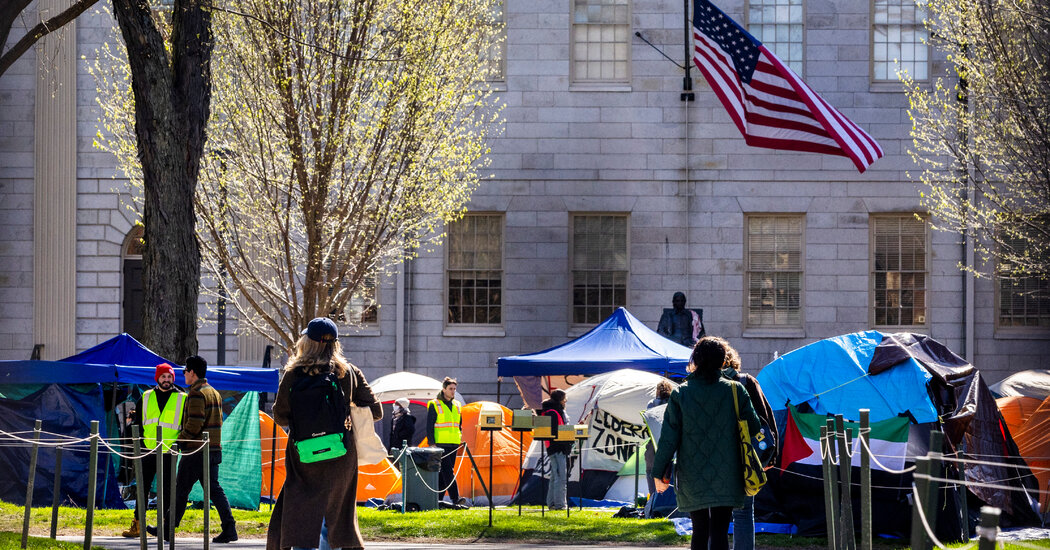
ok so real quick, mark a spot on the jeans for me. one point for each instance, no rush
(324, 540)
(191, 471)
(447, 475)
(559, 480)
(744, 526)
(710, 528)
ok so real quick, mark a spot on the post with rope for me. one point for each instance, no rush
(92, 472)
(56, 495)
(828, 472)
(865, 480)
(206, 488)
(140, 497)
(404, 470)
(161, 476)
(273, 458)
(637, 448)
(920, 483)
(176, 453)
(30, 479)
(988, 529)
(847, 540)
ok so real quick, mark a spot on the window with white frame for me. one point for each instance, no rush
(899, 39)
(899, 271)
(492, 55)
(1024, 298)
(601, 41)
(475, 270)
(774, 270)
(599, 266)
(779, 25)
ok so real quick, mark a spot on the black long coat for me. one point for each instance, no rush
(320, 490)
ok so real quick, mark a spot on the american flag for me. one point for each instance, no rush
(771, 106)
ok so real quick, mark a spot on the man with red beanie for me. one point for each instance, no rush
(160, 407)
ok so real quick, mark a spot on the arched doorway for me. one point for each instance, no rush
(132, 308)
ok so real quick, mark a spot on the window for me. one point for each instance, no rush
(1024, 298)
(475, 270)
(491, 56)
(898, 271)
(899, 37)
(774, 270)
(778, 24)
(599, 266)
(601, 40)
(363, 307)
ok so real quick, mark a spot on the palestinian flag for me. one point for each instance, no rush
(888, 442)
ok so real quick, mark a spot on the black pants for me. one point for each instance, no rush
(149, 472)
(191, 471)
(447, 475)
(711, 528)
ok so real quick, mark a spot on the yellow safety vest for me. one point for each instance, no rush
(169, 420)
(446, 427)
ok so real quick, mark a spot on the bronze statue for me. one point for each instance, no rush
(680, 325)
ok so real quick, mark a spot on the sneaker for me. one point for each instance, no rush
(462, 501)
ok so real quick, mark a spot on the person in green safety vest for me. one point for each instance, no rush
(160, 406)
(445, 430)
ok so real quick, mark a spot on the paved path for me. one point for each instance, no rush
(120, 543)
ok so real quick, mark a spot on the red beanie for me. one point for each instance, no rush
(161, 369)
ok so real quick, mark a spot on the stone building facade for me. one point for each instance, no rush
(606, 190)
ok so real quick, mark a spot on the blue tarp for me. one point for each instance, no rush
(831, 376)
(619, 342)
(123, 360)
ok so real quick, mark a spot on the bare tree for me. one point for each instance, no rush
(170, 82)
(982, 133)
(345, 134)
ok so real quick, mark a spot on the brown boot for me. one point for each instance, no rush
(132, 531)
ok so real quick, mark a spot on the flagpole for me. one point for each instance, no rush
(687, 81)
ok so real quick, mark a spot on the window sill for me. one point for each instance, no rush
(600, 87)
(496, 331)
(774, 332)
(886, 86)
(1020, 334)
(919, 329)
(359, 331)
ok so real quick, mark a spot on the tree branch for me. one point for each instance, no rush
(39, 31)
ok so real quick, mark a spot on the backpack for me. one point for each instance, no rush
(317, 425)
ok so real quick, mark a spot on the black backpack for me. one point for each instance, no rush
(317, 425)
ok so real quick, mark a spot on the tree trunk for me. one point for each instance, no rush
(172, 102)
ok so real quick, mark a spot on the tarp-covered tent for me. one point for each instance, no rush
(621, 341)
(1029, 383)
(68, 394)
(611, 405)
(892, 375)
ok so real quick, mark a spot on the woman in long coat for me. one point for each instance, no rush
(320, 491)
(700, 425)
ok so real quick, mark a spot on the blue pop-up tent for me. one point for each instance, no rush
(620, 342)
(67, 395)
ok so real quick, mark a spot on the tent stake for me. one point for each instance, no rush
(29, 483)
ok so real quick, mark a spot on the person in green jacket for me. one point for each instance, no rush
(700, 425)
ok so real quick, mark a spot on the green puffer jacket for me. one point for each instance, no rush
(701, 426)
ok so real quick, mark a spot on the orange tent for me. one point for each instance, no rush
(1016, 409)
(273, 439)
(505, 472)
(1033, 441)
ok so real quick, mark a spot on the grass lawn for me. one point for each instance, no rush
(14, 540)
(583, 527)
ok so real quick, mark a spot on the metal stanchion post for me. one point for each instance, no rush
(865, 480)
(273, 460)
(829, 484)
(206, 487)
(404, 472)
(92, 483)
(56, 495)
(521, 459)
(847, 541)
(988, 530)
(543, 480)
(637, 448)
(140, 491)
(161, 476)
(30, 479)
(175, 454)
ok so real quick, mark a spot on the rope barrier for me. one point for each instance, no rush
(981, 484)
(872, 455)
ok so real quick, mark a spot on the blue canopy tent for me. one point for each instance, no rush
(621, 341)
(67, 395)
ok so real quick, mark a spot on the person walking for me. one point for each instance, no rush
(203, 414)
(744, 518)
(700, 426)
(317, 507)
(445, 430)
(160, 406)
(402, 426)
(557, 451)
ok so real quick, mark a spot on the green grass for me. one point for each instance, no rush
(14, 540)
